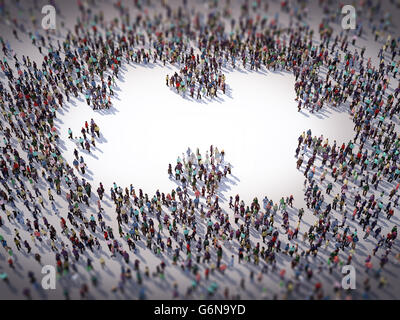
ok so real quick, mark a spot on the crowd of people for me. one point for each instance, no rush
(83, 140)
(35, 175)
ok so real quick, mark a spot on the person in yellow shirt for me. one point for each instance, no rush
(51, 198)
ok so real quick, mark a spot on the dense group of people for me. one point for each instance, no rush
(35, 176)
(83, 141)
